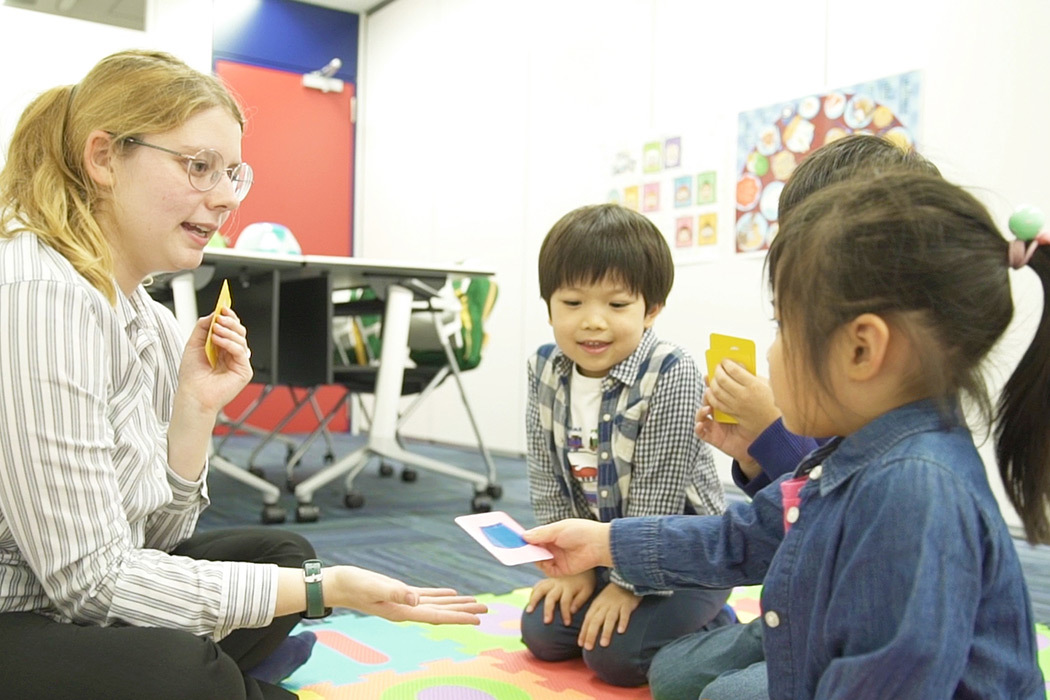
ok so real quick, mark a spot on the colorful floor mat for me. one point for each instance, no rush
(369, 658)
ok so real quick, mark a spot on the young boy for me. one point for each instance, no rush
(610, 434)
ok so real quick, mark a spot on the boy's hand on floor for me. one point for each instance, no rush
(568, 594)
(610, 611)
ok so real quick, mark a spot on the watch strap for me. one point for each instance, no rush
(312, 575)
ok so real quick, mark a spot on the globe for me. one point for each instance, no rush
(268, 237)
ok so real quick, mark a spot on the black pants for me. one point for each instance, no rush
(40, 658)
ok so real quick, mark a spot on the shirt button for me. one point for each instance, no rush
(605, 493)
(772, 619)
(607, 418)
(605, 455)
(815, 472)
(792, 516)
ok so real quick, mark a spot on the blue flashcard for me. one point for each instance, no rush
(500, 534)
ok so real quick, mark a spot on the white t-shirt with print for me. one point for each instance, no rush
(582, 438)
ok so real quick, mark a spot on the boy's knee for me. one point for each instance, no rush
(544, 641)
(616, 666)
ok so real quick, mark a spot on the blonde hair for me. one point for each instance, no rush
(44, 186)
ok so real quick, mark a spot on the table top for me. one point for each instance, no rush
(345, 271)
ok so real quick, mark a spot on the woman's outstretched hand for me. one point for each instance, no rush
(375, 594)
(577, 545)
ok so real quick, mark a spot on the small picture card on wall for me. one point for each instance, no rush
(683, 191)
(673, 152)
(631, 198)
(707, 229)
(652, 157)
(706, 189)
(651, 197)
(683, 236)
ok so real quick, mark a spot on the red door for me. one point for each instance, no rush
(300, 144)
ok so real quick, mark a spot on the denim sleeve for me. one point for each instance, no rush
(915, 589)
(700, 551)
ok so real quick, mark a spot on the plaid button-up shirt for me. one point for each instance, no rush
(650, 461)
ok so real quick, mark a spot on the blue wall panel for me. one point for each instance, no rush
(285, 35)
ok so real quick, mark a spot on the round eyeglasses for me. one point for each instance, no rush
(205, 168)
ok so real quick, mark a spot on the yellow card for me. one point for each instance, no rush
(727, 347)
(224, 301)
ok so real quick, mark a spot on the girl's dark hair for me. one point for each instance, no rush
(606, 240)
(1022, 448)
(926, 256)
(853, 156)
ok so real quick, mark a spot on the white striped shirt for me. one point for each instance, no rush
(88, 505)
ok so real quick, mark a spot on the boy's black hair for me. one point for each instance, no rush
(594, 242)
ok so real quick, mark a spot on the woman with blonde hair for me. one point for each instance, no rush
(106, 414)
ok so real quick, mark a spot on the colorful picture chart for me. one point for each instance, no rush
(660, 178)
(771, 142)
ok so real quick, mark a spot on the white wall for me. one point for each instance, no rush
(483, 121)
(39, 51)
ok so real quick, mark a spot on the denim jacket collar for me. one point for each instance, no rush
(841, 458)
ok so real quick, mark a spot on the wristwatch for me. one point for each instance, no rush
(312, 576)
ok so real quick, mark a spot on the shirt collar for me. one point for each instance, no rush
(843, 457)
(625, 371)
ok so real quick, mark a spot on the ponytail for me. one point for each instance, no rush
(1023, 423)
(44, 189)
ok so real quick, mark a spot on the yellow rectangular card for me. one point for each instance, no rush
(224, 301)
(727, 347)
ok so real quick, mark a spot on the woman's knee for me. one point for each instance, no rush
(275, 546)
(202, 670)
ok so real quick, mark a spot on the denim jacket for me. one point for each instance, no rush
(897, 579)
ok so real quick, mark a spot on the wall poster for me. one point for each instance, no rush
(772, 140)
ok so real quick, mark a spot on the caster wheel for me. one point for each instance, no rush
(385, 469)
(257, 471)
(494, 490)
(480, 504)
(290, 484)
(329, 458)
(409, 475)
(353, 500)
(273, 514)
(307, 513)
